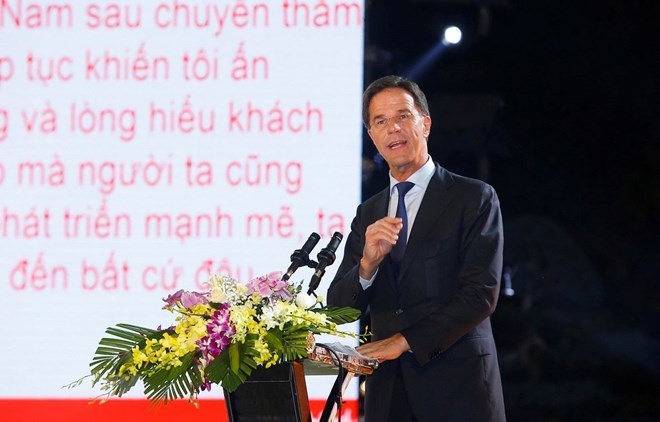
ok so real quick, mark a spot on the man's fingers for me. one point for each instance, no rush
(386, 229)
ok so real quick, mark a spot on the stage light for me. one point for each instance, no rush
(452, 35)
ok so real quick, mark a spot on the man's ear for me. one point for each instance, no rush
(427, 125)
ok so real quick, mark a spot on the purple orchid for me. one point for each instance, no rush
(220, 333)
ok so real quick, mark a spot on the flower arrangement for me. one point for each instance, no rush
(220, 336)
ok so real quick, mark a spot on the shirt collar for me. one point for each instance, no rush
(420, 178)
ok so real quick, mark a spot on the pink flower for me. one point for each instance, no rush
(270, 286)
(185, 298)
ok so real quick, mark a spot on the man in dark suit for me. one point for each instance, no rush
(428, 277)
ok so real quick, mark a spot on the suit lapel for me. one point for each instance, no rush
(378, 208)
(434, 203)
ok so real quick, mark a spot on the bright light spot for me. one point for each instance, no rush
(452, 35)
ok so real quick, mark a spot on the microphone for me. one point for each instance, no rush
(326, 257)
(300, 257)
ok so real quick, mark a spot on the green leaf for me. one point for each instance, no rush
(274, 340)
(218, 368)
(221, 370)
(174, 382)
(294, 341)
(234, 357)
(340, 315)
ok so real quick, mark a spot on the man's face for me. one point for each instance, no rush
(399, 131)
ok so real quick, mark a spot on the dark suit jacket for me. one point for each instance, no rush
(447, 288)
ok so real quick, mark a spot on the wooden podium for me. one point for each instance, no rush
(279, 393)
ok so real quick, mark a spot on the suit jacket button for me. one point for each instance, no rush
(398, 312)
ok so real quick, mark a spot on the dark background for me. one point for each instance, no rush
(556, 104)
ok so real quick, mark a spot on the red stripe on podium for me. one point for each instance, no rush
(61, 410)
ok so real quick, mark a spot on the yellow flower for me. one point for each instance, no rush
(168, 341)
(264, 353)
(241, 289)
